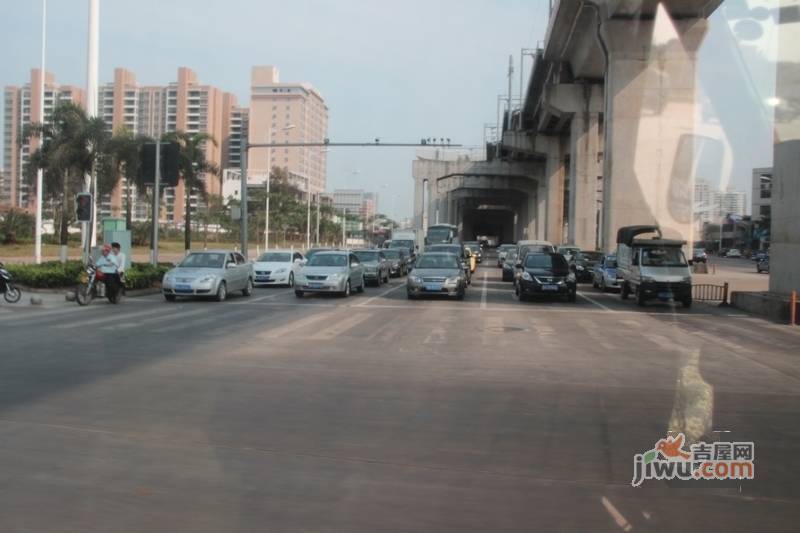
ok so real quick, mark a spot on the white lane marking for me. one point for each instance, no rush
(111, 317)
(262, 298)
(483, 292)
(616, 515)
(381, 295)
(177, 325)
(595, 302)
(295, 325)
(177, 314)
(342, 326)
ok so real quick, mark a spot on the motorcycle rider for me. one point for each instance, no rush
(108, 265)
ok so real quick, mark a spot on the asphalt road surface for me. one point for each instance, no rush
(378, 414)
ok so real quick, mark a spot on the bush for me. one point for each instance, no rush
(145, 275)
(56, 275)
(47, 275)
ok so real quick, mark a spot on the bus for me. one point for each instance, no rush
(441, 234)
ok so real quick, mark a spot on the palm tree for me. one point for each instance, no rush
(73, 145)
(124, 149)
(192, 167)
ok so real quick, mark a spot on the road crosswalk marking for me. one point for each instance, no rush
(126, 324)
(115, 316)
(296, 325)
(340, 327)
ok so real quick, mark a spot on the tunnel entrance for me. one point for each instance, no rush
(488, 221)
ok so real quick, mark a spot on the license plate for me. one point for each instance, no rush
(549, 287)
(183, 288)
(262, 278)
(315, 285)
(433, 287)
(665, 295)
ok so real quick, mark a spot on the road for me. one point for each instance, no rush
(375, 413)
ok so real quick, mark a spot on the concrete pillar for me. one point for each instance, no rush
(541, 210)
(584, 169)
(419, 198)
(649, 124)
(530, 224)
(554, 175)
(785, 232)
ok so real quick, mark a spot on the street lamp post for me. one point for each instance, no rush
(40, 172)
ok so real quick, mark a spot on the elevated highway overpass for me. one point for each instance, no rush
(605, 135)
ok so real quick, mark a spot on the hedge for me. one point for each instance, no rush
(56, 275)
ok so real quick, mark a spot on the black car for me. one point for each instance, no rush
(545, 274)
(584, 265)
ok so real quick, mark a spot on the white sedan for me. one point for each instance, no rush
(277, 267)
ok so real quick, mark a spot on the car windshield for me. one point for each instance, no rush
(391, 254)
(611, 262)
(439, 234)
(475, 247)
(275, 257)
(666, 257)
(314, 251)
(438, 261)
(402, 244)
(204, 260)
(366, 257)
(328, 260)
(550, 262)
(588, 256)
(450, 249)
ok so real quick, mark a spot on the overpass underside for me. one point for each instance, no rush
(500, 199)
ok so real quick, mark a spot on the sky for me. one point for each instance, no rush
(400, 71)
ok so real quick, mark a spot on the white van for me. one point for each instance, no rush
(654, 268)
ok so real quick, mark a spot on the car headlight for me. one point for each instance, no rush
(334, 277)
(526, 276)
(579, 268)
(207, 279)
(280, 271)
(168, 277)
(451, 281)
(415, 279)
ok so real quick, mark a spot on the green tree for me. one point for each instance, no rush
(124, 149)
(16, 224)
(193, 167)
(72, 146)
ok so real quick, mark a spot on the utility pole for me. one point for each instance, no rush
(40, 172)
(243, 196)
(91, 99)
(344, 227)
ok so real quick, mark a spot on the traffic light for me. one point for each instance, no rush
(170, 155)
(83, 206)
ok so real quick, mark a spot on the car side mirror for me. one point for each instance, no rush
(230, 264)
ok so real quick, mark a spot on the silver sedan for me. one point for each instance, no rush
(213, 273)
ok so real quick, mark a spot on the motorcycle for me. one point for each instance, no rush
(11, 294)
(95, 284)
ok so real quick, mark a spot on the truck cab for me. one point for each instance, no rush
(652, 268)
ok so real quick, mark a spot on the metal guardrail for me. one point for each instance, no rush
(710, 293)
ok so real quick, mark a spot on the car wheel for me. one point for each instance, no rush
(290, 284)
(640, 299)
(603, 285)
(460, 295)
(410, 296)
(624, 291)
(169, 297)
(299, 294)
(572, 297)
(248, 289)
(222, 292)
(361, 285)
(595, 284)
(687, 303)
(346, 291)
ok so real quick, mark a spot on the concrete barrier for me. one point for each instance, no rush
(768, 304)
